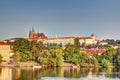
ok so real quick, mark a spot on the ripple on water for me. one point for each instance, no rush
(83, 78)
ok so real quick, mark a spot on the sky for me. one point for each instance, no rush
(62, 17)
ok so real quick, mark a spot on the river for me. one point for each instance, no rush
(60, 73)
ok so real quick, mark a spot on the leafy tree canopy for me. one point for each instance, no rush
(23, 47)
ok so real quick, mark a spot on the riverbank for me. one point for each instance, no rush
(18, 64)
(36, 65)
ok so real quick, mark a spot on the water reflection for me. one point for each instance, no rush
(28, 73)
(5, 74)
(110, 72)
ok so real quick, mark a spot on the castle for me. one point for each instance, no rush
(61, 40)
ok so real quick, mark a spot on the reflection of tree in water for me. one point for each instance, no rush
(61, 72)
(94, 72)
(84, 72)
(75, 73)
(45, 73)
(36, 74)
(117, 70)
(15, 73)
(26, 74)
(107, 72)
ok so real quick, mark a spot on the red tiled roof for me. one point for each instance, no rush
(95, 51)
(69, 37)
(3, 43)
(85, 38)
(37, 37)
(102, 41)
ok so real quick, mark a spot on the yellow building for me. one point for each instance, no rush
(5, 51)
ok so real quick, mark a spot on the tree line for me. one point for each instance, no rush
(25, 50)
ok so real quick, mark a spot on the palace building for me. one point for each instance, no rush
(59, 40)
(70, 40)
(88, 40)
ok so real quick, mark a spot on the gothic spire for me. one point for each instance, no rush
(33, 29)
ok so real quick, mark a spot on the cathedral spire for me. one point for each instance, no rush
(29, 33)
(33, 29)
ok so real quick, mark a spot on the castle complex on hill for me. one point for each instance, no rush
(62, 40)
(5, 48)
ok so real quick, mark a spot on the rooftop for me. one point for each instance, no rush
(3, 43)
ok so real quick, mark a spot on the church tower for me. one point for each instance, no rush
(93, 38)
(31, 33)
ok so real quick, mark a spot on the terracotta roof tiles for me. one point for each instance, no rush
(3, 43)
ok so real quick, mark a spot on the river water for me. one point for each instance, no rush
(60, 73)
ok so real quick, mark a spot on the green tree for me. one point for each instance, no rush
(106, 63)
(83, 58)
(77, 43)
(109, 55)
(72, 54)
(36, 48)
(98, 57)
(57, 55)
(68, 52)
(22, 46)
(52, 56)
(117, 58)
(16, 57)
(93, 61)
(43, 57)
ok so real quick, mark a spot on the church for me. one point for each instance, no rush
(36, 36)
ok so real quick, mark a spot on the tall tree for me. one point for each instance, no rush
(16, 57)
(77, 43)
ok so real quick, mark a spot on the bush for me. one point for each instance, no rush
(106, 63)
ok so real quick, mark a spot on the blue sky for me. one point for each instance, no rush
(62, 17)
